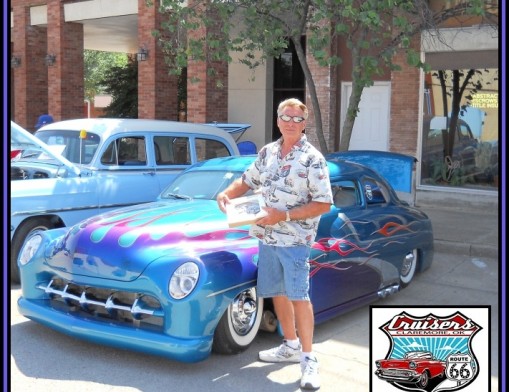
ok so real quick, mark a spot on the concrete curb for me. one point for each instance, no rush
(476, 250)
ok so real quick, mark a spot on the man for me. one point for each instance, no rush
(293, 178)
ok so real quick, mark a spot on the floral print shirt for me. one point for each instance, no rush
(300, 177)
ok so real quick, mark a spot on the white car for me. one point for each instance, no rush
(71, 170)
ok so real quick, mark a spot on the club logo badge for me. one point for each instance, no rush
(429, 353)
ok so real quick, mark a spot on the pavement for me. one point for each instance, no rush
(465, 231)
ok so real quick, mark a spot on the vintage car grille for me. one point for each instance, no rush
(129, 309)
(398, 373)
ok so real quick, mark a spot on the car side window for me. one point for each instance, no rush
(374, 191)
(345, 194)
(126, 151)
(171, 150)
(208, 148)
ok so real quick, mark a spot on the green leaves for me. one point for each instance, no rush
(96, 65)
(121, 82)
(373, 31)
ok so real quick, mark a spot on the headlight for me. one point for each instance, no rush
(29, 248)
(183, 280)
(378, 364)
(412, 365)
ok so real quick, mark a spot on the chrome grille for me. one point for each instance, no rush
(126, 308)
(397, 372)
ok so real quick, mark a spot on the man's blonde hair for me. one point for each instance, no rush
(293, 102)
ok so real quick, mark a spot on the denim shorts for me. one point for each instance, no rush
(283, 271)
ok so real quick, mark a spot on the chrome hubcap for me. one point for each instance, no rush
(243, 311)
(407, 264)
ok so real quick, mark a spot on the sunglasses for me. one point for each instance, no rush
(296, 119)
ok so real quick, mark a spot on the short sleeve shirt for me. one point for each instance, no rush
(288, 182)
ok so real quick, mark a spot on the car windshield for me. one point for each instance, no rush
(199, 185)
(419, 354)
(76, 146)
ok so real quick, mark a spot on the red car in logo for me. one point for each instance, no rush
(416, 367)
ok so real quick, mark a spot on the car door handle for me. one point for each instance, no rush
(150, 173)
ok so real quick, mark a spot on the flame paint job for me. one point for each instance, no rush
(358, 253)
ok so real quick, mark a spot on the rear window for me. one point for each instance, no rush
(375, 192)
(208, 148)
(172, 150)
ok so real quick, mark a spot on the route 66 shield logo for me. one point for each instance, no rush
(460, 368)
(429, 353)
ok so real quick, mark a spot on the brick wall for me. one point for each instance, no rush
(65, 78)
(325, 80)
(157, 89)
(405, 88)
(207, 95)
(31, 77)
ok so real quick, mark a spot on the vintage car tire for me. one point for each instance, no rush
(423, 383)
(239, 324)
(25, 229)
(409, 268)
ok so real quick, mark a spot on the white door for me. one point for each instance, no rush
(371, 127)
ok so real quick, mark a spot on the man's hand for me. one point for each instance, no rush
(222, 200)
(236, 189)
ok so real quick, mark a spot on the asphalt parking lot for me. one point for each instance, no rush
(44, 360)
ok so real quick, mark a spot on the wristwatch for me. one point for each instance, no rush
(288, 216)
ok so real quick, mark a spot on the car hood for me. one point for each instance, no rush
(121, 244)
(21, 139)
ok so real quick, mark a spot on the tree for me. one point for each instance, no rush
(121, 82)
(372, 29)
(375, 30)
(96, 65)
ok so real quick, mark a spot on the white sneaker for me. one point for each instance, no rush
(310, 378)
(283, 353)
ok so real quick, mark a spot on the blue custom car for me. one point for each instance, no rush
(171, 278)
(72, 170)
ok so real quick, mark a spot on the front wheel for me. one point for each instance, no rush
(239, 324)
(423, 383)
(408, 268)
(25, 230)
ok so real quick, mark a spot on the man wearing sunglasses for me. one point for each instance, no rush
(293, 178)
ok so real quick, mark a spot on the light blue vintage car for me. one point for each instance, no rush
(76, 169)
(171, 277)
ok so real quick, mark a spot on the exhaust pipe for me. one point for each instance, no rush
(385, 292)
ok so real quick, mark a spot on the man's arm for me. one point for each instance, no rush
(306, 211)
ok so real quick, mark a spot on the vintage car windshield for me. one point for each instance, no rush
(419, 354)
(76, 149)
(199, 184)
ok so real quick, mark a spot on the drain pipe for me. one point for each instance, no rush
(88, 107)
